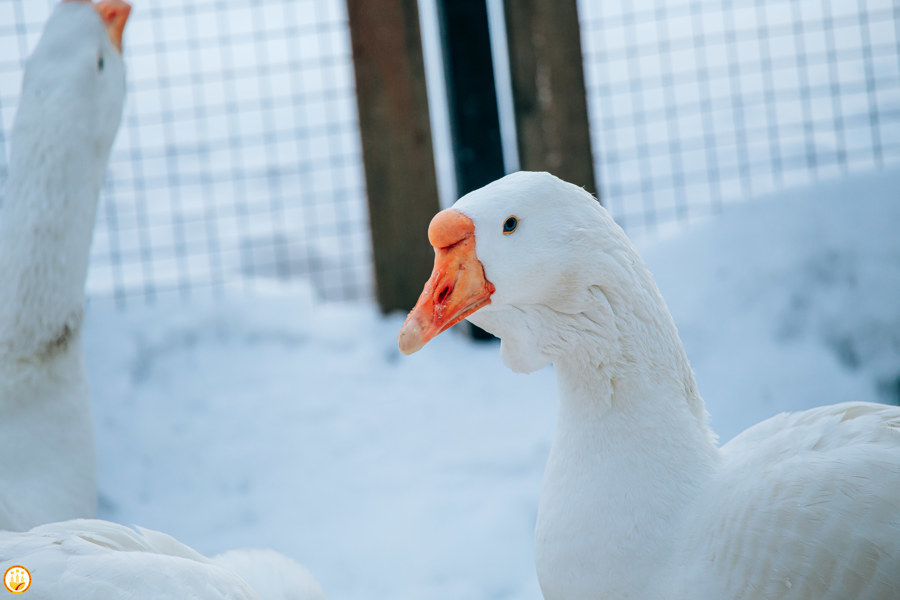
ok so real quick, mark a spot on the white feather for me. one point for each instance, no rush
(96, 559)
(87, 558)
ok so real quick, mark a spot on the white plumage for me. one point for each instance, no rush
(637, 500)
(70, 109)
(805, 500)
(69, 112)
(96, 559)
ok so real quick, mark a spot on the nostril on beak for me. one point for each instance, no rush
(444, 293)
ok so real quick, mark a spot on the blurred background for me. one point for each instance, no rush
(239, 159)
(266, 206)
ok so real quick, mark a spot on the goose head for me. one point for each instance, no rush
(537, 262)
(75, 78)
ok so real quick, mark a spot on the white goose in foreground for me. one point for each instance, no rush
(86, 558)
(637, 500)
(71, 105)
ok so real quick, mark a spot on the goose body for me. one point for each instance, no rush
(86, 558)
(638, 501)
(69, 112)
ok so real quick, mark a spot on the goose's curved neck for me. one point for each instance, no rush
(635, 417)
(638, 370)
(46, 226)
(632, 448)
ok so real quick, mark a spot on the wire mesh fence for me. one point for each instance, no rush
(238, 161)
(696, 102)
(238, 158)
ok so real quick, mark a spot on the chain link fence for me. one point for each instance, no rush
(698, 102)
(238, 161)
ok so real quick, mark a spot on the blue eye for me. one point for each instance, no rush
(510, 225)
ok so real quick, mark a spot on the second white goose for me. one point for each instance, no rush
(69, 112)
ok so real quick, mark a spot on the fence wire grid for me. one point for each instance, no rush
(238, 161)
(698, 102)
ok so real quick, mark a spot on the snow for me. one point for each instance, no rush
(792, 299)
(278, 421)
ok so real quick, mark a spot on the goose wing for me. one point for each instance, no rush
(807, 506)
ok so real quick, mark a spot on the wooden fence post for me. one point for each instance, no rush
(396, 143)
(548, 89)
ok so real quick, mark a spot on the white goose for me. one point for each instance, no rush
(70, 109)
(69, 112)
(86, 558)
(637, 500)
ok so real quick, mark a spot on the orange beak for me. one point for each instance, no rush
(457, 286)
(115, 14)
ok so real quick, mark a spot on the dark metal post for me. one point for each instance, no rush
(472, 97)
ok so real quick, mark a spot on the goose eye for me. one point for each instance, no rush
(100, 63)
(510, 225)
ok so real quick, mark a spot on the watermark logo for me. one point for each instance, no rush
(17, 579)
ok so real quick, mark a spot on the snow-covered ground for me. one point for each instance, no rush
(276, 421)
